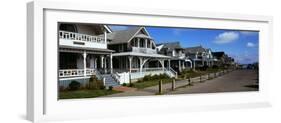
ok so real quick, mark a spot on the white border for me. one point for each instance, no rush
(38, 58)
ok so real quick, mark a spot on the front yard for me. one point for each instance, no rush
(144, 84)
(191, 74)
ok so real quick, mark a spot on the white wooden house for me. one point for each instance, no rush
(179, 61)
(200, 56)
(113, 56)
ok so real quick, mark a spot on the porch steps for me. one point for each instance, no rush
(109, 80)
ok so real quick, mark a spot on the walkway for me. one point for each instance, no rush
(239, 80)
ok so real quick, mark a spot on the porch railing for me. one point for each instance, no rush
(143, 50)
(75, 72)
(80, 37)
(173, 72)
(152, 69)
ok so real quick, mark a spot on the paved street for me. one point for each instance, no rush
(239, 80)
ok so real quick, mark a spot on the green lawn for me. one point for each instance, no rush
(144, 84)
(85, 93)
(192, 74)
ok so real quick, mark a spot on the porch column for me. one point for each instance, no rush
(105, 37)
(84, 62)
(169, 64)
(162, 63)
(141, 64)
(101, 59)
(130, 64)
(183, 64)
(145, 43)
(96, 63)
(138, 42)
(105, 64)
(179, 65)
(111, 66)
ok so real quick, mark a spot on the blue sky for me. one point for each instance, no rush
(241, 45)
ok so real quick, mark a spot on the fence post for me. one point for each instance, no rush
(208, 76)
(189, 81)
(174, 85)
(160, 87)
(200, 78)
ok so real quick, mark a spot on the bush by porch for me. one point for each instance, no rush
(150, 80)
(185, 74)
(94, 88)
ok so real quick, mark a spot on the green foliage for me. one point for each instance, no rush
(155, 77)
(124, 84)
(94, 83)
(102, 87)
(131, 85)
(74, 85)
(110, 88)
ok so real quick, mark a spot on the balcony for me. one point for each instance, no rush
(81, 40)
(143, 50)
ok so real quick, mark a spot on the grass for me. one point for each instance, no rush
(192, 74)
(144, 84)
(85, 93)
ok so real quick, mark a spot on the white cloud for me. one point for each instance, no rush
(226, 37)
(177, 32)
(245, 57)
(248, 33)
(250, 44)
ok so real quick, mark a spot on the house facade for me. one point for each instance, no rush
(223, 60)
(83, 52)
(113, 56)
(199, 56)
(135, 52)
(179, 61)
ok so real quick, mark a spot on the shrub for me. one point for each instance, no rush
(94, 83)
(147, 77)
(124, 84)
(131, 85)
(203, 68)
(61, 88)
(139, 81)
(102, 87)
(154, 77)
(74, 85)
(110, 88)
(215, 67)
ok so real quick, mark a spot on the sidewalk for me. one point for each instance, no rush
(166, 87)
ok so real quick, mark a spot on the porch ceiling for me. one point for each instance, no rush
(71, 49)
(141, 55)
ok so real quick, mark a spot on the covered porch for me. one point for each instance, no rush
(83, 62)
(140, 64)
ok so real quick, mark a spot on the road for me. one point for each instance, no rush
(235, 81)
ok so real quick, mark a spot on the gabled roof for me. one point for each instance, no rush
(194, 50)
(124, 36)
(168, 47)
(171, 45)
